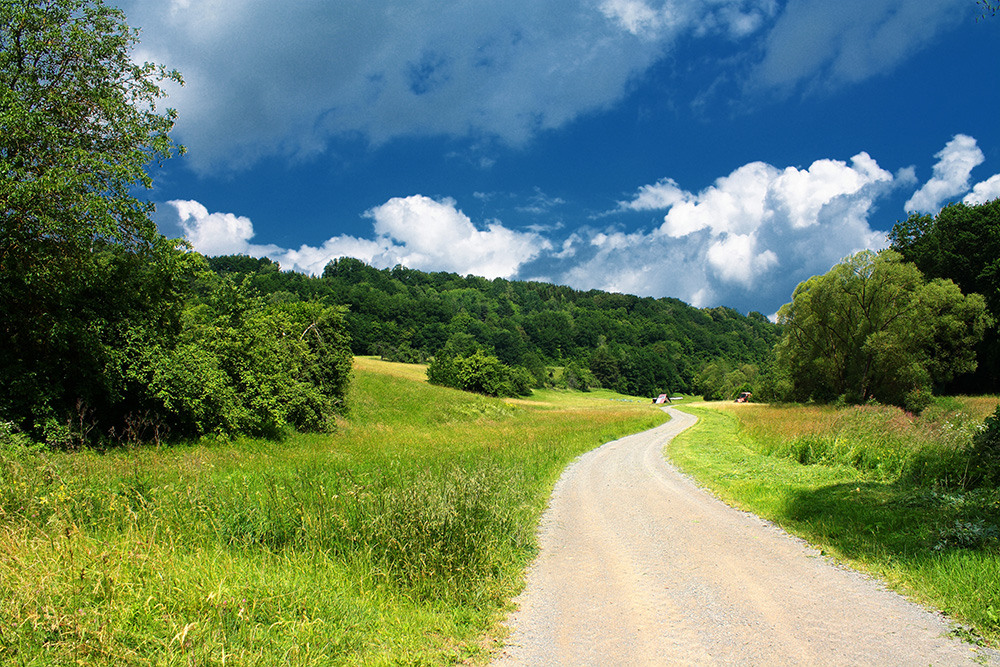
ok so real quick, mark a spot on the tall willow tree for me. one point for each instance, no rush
(873, 328)
(80, 258)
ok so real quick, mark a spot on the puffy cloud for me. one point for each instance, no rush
(661, 195)
(735, 258)
(951, 175)
(416, 231)
(984, 191)
(735, 204)
(804, 193)
(217, 233)
(747, 239)
(436, 236)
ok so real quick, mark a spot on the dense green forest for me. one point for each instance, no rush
(638, 346)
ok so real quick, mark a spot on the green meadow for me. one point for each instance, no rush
(872, 486)
(398, 539)
(401, 537)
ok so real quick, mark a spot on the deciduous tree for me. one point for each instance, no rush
(872, 328)
(79, 125)
(961, 243)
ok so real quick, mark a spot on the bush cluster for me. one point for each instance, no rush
(243, 365)
(139, 347)
(480, 373)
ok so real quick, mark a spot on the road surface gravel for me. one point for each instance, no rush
(639, 566)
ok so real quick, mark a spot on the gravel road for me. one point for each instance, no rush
(638, 566)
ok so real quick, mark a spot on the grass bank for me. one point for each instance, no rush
(399, 539)
(872, 486)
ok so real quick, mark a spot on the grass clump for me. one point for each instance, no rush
(891, 493)
(401, 538)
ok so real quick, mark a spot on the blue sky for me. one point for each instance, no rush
(717, 151)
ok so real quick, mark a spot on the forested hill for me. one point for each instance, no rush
(640, 346)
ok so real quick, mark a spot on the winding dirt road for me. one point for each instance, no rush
(638, 566)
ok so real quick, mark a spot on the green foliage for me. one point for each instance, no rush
(78, 126)
(81, 264)
(872, 328)
(65, 353)
(245, 365)
(578, 377)
(640, 346)
(717, 381)
(985, 452)
(961, 243)
(480, 373)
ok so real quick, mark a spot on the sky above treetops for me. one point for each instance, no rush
(717, 151)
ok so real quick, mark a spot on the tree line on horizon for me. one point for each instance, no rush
(561, 336)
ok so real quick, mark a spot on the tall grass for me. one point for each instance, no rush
(874, 486)
(883, 441)
(398, 539)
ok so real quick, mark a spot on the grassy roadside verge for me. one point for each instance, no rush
(865, 505)
(397, 540)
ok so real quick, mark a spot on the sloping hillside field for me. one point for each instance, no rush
(397, 539)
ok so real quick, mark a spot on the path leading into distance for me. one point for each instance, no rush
(638, 566)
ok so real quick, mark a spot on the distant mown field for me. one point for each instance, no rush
(874, 486)
(398, 539)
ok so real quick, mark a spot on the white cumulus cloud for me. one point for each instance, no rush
(436, 236)
(217, 233)
(750, 237)
(417, 231)
(951, 175)
(661, 195)
(984, 191)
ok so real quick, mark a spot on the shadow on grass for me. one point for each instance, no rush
(865, 520)
(943, 544)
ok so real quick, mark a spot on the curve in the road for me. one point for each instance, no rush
(639, 566)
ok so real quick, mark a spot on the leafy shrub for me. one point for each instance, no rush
(578, 377)
(985, 452)
(402, 353)
(243, 365)
(917, 400)
(480, 373)
(968, 535)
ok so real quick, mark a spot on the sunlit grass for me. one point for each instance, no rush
(399, 539)
(872, 486)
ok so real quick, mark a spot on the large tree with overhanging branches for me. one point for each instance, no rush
(80, 124)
